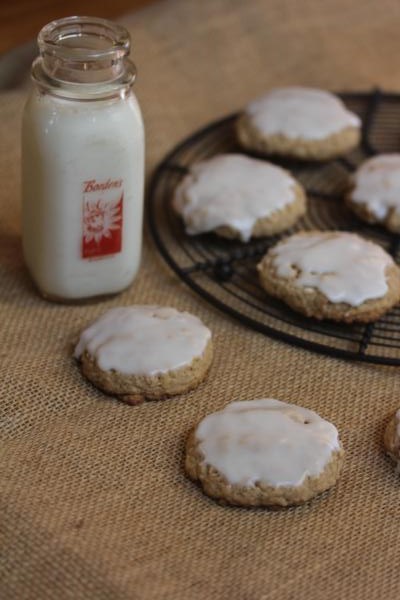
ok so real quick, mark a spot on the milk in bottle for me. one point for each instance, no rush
(82, 162)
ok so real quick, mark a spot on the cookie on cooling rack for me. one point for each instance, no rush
(299, 122)
(139, 352)
(331, 275)
(238, 197)
(375, 194)
(264, 453)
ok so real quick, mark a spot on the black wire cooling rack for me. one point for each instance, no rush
(224, 272)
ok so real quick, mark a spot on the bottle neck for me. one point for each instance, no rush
(83, 57)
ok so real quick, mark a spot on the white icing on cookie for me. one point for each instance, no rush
(377, 185)
(266, 441)
(233, 190)
(144, 340)
(343, 266)
(299, 112)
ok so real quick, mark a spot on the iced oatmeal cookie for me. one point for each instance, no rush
(264, 453)
(375, 193)
(299, 122)
(238, 197)
(139, 352)
(391, 438)
(331, 275)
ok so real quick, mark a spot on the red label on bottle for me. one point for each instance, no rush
(102, 218)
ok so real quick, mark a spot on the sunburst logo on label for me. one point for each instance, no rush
(102, 218)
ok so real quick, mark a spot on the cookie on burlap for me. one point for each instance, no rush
(238, 197)
(264, 453)
(391, 438)
(375, 194)
(331, 275)
(139, 352)
(299, 122)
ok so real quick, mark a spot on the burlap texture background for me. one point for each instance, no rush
(94, 503)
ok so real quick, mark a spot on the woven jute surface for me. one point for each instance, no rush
(94, 501)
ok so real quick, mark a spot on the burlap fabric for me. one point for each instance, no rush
(94, 502)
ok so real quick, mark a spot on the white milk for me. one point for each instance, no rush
(82, 162)
(66, 146)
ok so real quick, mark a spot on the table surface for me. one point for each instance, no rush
(93, 497)
(21, 21)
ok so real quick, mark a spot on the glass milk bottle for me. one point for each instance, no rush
(82, 162)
